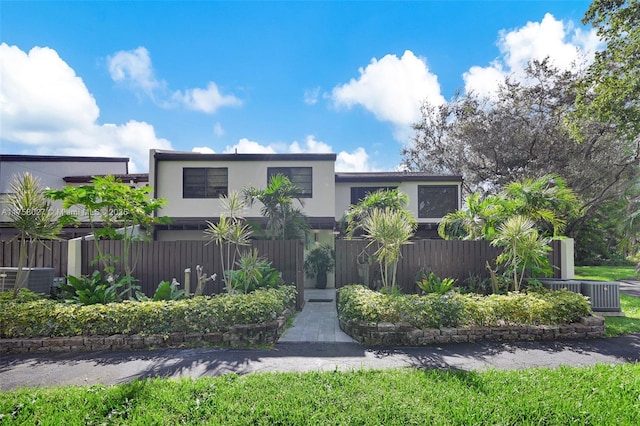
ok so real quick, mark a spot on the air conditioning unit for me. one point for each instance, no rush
(604, 295)
(40, 280)
(570, 285)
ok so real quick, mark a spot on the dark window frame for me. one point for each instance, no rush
(303, 182)
(208, 187)
(438, 211)
(359, 192)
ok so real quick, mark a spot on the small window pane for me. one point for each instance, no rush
(204, 182)
(358, 193)
(302, 177)
(437, 200)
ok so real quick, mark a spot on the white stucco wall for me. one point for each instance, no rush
(240, 175)
(343, 195)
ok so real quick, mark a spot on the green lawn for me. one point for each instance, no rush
(600, 395)
(605, 273)
(616, 326)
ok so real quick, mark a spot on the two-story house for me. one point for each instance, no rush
(56, 172)
(193, 184)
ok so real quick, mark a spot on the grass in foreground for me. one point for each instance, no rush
(605, 273)
(616, 326)
(602, 395)
(630, 323)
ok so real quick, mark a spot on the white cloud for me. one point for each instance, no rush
(134, 68)
(207, 100)
(563, 43)
(47, 109)
(203, 150)
(311, 96)
(311, 145)
(391, 88)
(245, 146)
(356, 161)
(218, 129)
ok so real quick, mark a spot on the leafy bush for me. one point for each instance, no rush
(358, 303)
(168, 291)
(434, 284)
(431, 310)
(254, 273)
(201, 314)
(24, 295)
(96, 288)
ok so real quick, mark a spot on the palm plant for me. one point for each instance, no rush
(381, 199)
(229, 233)
(31, 214)
(284, 221)
(547, 201)
(523, 248)
(478, 220)
(388, 230)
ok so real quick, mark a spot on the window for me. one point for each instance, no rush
(201, 182)
(435, 201)
(359, 192)
(299, 176)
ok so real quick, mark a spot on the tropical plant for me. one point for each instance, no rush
(478, 219)
(284, 221)
(96, 288)
(230, 232)
(388, 230)
(31, 214)
(254, 272)
(524, 250)
(168, 291)
(114, 210)
(381, 199)
(434, 284)
(318, 262)
(546, 200)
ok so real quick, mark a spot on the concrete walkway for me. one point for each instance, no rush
(318, 321)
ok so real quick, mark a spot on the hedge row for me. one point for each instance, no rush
(544, 307)
(197, 315)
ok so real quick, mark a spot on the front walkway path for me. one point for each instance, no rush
(318, 321)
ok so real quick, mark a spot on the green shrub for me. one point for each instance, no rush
(254, 273)
(201, 314)
(24, 295)
(431, 310)
(543, 307)
(96, 288)
(358, 303)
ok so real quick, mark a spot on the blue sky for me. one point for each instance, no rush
(118, 78)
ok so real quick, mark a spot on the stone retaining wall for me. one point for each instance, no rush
(238, 335)
(404, 334)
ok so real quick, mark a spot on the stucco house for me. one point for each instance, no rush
(193, 184)
(56, 172)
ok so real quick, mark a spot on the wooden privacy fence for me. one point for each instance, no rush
(49, 254)
(157, 261)
(456, 259)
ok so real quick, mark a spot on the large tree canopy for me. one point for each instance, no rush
(523, 133)
(610, 91)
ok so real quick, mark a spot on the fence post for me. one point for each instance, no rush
(74, 257)
(567, 271)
